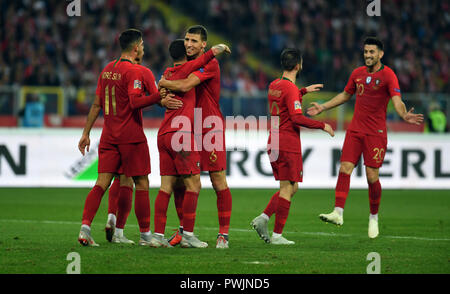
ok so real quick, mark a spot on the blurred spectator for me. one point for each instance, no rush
(41, 45)
(33, 113)
(436, 120)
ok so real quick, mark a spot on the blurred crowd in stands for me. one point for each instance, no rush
(41, 45)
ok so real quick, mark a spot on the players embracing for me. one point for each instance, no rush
(206, 81)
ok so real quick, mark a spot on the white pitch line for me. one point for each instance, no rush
(231, 229)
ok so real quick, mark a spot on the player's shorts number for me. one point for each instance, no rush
(379, 154)
(113, 100)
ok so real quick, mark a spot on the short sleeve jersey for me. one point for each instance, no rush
(187, 110)
(285, 100)
(118, 80)
(208, 91)
(373, 92)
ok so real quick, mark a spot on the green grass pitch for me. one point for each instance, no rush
(39, 228)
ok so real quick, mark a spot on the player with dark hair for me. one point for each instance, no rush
(285, 104)
(374, 84)
(177, 155)
(121, 95)
(206, 81)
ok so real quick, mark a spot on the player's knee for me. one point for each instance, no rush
(194, 186)
(219, 181)
(372, 176)
(126, 181)
(141, 182)
(193, 183)
(346, 168)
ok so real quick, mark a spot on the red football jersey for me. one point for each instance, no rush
(179, 72)
(118, 80)
(373, 91)
(285, 100)
(208, 92)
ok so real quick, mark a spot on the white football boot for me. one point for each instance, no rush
(373, 228)
(333, 217)
(121, 239)
(158, 241)
(260, 224)
(280, 240)
(85, 238)
(192, 242)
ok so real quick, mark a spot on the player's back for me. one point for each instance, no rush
(122, 124)
(281, 92)
(187, 109)
(178, 72)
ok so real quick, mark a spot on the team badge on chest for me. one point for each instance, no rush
(368, 79)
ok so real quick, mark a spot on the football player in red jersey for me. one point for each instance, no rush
(284, 145)
(120, 196)
(121, 95)
(177, 155)
(374, 85)
(206, 81)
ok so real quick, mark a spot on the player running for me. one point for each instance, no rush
(120, 93)
(285, 104)
(374, 84)
(177, 155)
(206, 81)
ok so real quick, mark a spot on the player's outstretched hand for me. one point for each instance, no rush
(220, 48)
(314, 109)
(314, 88)
(413, 118)
(171, 103)
(329, 129)
(84, 142)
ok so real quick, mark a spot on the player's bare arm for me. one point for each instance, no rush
(183, 85)
(220, 48)
(85, 141)
(407, 116)
(314, 88)
(337, 100)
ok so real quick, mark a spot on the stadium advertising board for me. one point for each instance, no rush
(50, 158)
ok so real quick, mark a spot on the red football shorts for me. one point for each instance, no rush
(129, 159)
(373, 149)
(288, 166)
(212, 159)
(172, 163)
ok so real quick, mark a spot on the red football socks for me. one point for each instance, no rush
(281, 214)
(224, 203)
(91, 204)
(272, 206)
(374, 196)
(189, 209)
(142, 210)
(124, 204)
(178, 195)
(161, 204)
(342, 188)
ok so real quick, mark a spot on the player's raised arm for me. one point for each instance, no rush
(296, 114)
(337, 100)
(407, 116)
(85, 141)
